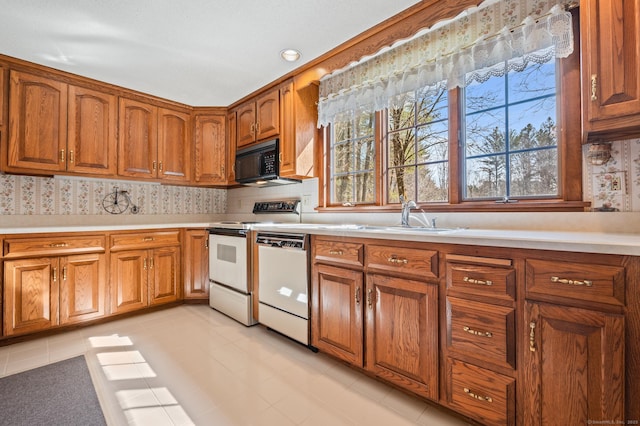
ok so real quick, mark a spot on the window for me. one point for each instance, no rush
(503, 137)
(510, 138)
(509, 145)
(353, 154)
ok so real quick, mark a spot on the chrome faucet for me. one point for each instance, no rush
(406, 210)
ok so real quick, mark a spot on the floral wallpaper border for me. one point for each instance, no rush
(30, 195)
(615, 185)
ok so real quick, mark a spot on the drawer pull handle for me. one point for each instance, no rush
(397, 260)
(57, 245)
(477, 333)
(64, 273)
(587, 283)
(369, 298)
(336, 252)
(479, 282)
(147, 239)
(594, 87)
(532, 336)
(144, 263)
(476, 396)
(357, 295)
(54, 274)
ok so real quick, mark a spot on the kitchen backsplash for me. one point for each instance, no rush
(615, 185)
(29, 195)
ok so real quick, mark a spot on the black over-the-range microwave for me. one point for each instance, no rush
(259, 165)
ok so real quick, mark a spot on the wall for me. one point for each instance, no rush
(63, 195)
(614, 185)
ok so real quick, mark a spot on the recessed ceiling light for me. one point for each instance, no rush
(290, 55)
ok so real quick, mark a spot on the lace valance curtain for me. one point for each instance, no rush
(472, 47)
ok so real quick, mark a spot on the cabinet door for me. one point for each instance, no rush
(164, 264)
(91, 137)
(246, 130)
(37, 123)
(173, 145)
(268, 115)
(196, 256)
(129, 272)
(574, 362)
(232, 129)
(137, 144)
(287, 131)
(611, 81)
(402, 333)
(336, 313)
(30, 295)
(82, 287)
(210, 149)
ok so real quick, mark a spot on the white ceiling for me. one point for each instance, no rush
(198, 52)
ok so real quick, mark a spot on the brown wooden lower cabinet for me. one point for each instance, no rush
(385, 324)
(574, 366)
(401, 326)
(527, 337)
(44, 292)
(141, 278)
(196, 261)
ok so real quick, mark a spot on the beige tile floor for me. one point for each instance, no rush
(192, 365)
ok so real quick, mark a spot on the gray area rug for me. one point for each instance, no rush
(56, 394)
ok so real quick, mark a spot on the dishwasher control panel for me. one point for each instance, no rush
(282, 240)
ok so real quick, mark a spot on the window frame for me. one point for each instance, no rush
(569, 198)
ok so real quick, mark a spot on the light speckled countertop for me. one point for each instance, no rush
(579, 241)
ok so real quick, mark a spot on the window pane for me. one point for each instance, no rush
(364, 124)
(364, 154)
(402, 114)
(535, 81)
(342, 130)
(432, 106)
(433, 142)
(531, 125)
(342, 157)
(402, 148)
(534, 173)
(402, 182)
(485, 133)
(343, 189)
(433, 182)
(489, 94)
(364, 188)
(485, 177)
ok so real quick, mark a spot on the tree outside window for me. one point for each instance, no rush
(353, 156)
(417, 147)
(511, 143)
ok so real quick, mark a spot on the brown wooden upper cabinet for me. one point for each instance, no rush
(154, 142)
(258, 119)
(210, 150)
(56, 127)
(611, 82)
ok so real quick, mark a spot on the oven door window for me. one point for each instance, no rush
(228, 261)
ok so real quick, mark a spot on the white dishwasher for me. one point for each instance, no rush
(283, 283)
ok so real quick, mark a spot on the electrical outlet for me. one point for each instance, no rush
(306, 200)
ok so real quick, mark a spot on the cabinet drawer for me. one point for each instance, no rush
(144, 240)
(409, 261)
(602, 284)
(481, 280)
(63, 244)
(339, 252)
(481, 330)
(481, 394)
